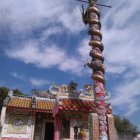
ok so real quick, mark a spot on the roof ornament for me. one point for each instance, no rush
(39, 93)
(10, 93)
(64, 89)
(107, 95)
(73, 89)
(8, 98)
(33, 101)
(54, 90)
(89, 90)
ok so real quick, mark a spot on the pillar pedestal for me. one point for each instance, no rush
(111, 127)
(93, 122)
(94, 132)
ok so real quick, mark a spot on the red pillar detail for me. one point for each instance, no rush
(57, 124)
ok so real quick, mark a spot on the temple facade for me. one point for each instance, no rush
(60, 113)
(63, 112)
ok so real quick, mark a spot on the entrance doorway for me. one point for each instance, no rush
(49, 131)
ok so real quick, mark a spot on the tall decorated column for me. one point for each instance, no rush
(92, 18)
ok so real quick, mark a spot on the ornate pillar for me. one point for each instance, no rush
(33, 125)
(57, 124)
(92, 18)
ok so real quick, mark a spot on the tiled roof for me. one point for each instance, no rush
(48, 105)
(44, 105)
(20, 103)
(77, 105)
(26, 103)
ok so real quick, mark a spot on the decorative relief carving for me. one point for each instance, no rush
(93, 121)
(17, 126)
(111, 127)
(95, 127)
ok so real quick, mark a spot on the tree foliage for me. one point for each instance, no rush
(123, 125)
(4, 93)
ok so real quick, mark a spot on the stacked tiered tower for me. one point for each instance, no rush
(92, 18)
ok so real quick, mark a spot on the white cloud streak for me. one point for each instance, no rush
(46, 57)
(84, 49)
(22, 16)
(38, 82)
(55, 17)
(16, 75)
(126, 94)
(34, 81)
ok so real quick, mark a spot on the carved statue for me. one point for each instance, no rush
(33, 101)
(10, 93)
(89, 90)
(54, 90)
(82, 134)
(8, 98)
(64, 88)
(39, 93)
(72, 88)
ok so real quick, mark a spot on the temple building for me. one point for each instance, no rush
(65, 113)
(59, 113)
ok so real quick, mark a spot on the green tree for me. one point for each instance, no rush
(123, 125)
(4, 93)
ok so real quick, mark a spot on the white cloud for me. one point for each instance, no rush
(132, 108)
(126, 94)
(38, 82)
(122, 53)
(84, 49)
(115, 69)
(54, 17)
(121, 39)
(71, 64)
(71, 20)
(51, 31)
(23, 16)
(46, 57)
(16, 75)
(33, 81)
(32, 52)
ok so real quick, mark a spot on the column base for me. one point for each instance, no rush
(111, 127)
(93, 122)
(94, 130)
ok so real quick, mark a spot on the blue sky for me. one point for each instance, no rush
(42, 42)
